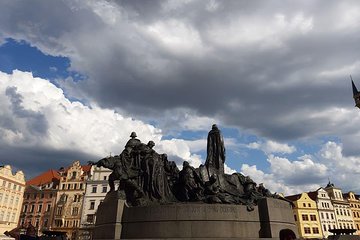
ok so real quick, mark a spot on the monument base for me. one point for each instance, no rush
(268, 220)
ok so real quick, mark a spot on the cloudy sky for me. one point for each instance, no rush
(77, 77)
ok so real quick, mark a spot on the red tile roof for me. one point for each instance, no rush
(86, 168)
(44, 178)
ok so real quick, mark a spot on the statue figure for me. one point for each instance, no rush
(148, 177)
(215, 151)
(190, 190)
(132, 143)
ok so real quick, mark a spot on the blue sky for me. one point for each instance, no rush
(274, 77)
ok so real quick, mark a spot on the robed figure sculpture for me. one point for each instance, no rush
(215, 152)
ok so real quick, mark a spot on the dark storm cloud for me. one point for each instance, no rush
(228, 60)
(39, 160)
(36, 122)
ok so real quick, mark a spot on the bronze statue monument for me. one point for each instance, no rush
(147, 177)
(156, 200)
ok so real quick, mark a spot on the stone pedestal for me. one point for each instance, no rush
(192, 221)
(109, 217)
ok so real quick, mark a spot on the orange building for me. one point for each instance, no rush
(39, 200)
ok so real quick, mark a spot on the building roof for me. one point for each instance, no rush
(294, 197)
(85, 168)
(44, 178)
(313, 195)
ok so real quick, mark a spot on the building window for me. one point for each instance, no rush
(81, 186)
(46, 221)
(315, 230)
(313, 217)
(305, 217)
(37, 223)
(25, 208)
(105, 177)
(104, 189)
(304, 204)
(40, 208)
(324, 226)
(307, 230)
(75, 211)
(32, 208)
(4, 183)
(332, 216)
(94, 189)
(327, 215)
(63, 186)
(90, 218)
(309, 205)
(295, 218)
(59, 211)
(92, 205)
(14, 187)
(322, 215)
(42, 195)
(48, 207)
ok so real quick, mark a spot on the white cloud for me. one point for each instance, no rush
(73, 125)
(272, 147)
(180, 149)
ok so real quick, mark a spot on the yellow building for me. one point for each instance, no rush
(306, 216)
(70, 199)
(12, 188)
(354, 201)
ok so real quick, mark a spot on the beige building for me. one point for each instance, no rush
(96, 189)
(343, 213)
(325, 209)
(354, 201)
(70, 198)
(12, 188)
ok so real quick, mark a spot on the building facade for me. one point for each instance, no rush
(39, 200)
(342, 208)
(96, 188)
(354, 202)
(306, 216)
(12, 187)
(325, 210)
(69, 199)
